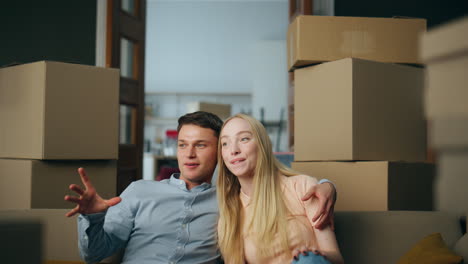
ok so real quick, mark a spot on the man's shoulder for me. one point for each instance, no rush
(145, 185)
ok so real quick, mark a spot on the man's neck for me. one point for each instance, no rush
(192, 184)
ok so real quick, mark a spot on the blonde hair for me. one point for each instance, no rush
(269, 210)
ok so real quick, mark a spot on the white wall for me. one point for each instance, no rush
(205, 46)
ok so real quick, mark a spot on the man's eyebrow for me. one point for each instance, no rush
(196, 141)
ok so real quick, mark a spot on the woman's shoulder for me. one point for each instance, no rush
(299, 183)
(300, 178)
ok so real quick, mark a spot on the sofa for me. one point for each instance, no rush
(363, 237)
(384, 237)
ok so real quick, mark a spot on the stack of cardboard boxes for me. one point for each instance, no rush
(55, 117)
(445, 52)
(358, 110)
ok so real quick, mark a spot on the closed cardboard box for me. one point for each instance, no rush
(449, 134)
(223, 111)
(53, 110)
(354, 109)
(20, 240)
(376, 185)
(452, 181)
(315, 39)
(58, 239)
(445, 41)
(445, 51)
(28, 184)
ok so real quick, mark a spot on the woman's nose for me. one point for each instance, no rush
(235, 149)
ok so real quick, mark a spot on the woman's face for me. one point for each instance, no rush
(239, 147)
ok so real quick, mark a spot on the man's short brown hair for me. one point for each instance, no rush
(201, 119)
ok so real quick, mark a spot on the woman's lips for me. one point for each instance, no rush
(191, 165)
(236, 161)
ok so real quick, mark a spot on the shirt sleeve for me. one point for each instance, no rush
(327, 180)
(100, 235)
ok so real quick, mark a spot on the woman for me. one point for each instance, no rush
(262, 217)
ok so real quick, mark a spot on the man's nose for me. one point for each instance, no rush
(191, 153)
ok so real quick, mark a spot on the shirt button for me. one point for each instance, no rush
(183, 226)
(85, 237)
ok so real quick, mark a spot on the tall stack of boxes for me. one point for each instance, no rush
(358, 110)
(56, 117)
(445, 52)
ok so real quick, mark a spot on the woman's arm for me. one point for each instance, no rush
(328, 245)
(325, 237)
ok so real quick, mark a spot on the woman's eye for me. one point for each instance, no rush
(223, 144)
(245, 139)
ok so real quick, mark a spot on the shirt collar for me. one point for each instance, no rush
(174, 180)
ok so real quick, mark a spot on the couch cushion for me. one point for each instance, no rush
(461, 247)
(383, 237)
(430, 250)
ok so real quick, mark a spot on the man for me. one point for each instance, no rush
(172, 221)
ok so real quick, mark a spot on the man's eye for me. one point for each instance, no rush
(182, 145)
(201, 145)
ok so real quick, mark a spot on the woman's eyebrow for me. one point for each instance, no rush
(240, 132)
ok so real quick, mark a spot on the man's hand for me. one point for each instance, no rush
(326, 195)
(89, 201)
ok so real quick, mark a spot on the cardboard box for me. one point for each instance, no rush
(444, 42)
(20, 241)
(354, 109)
(445, 50)
(223, 111)
(315, 39)
(449, 134)
(376, 185)
(446, 88)
(53, 110)
(28, 184)
(59, 237)
(451, 182)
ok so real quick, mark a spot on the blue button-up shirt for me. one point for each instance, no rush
(156, 222)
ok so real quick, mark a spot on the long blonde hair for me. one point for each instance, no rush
(269, 210)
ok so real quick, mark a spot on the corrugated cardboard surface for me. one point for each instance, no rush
(354, 109)
(446, 88)
(314, 39)
(445, 41)
(375, 185)
(452, 181)
(22, 100)
(223, 111)
(59, 233)
(52, 110)
(449, 134)
(20, 240)
(27, 184)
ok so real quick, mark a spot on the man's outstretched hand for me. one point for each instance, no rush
(326, 195)
(88, 201)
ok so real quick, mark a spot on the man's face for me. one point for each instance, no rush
(196, 154)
